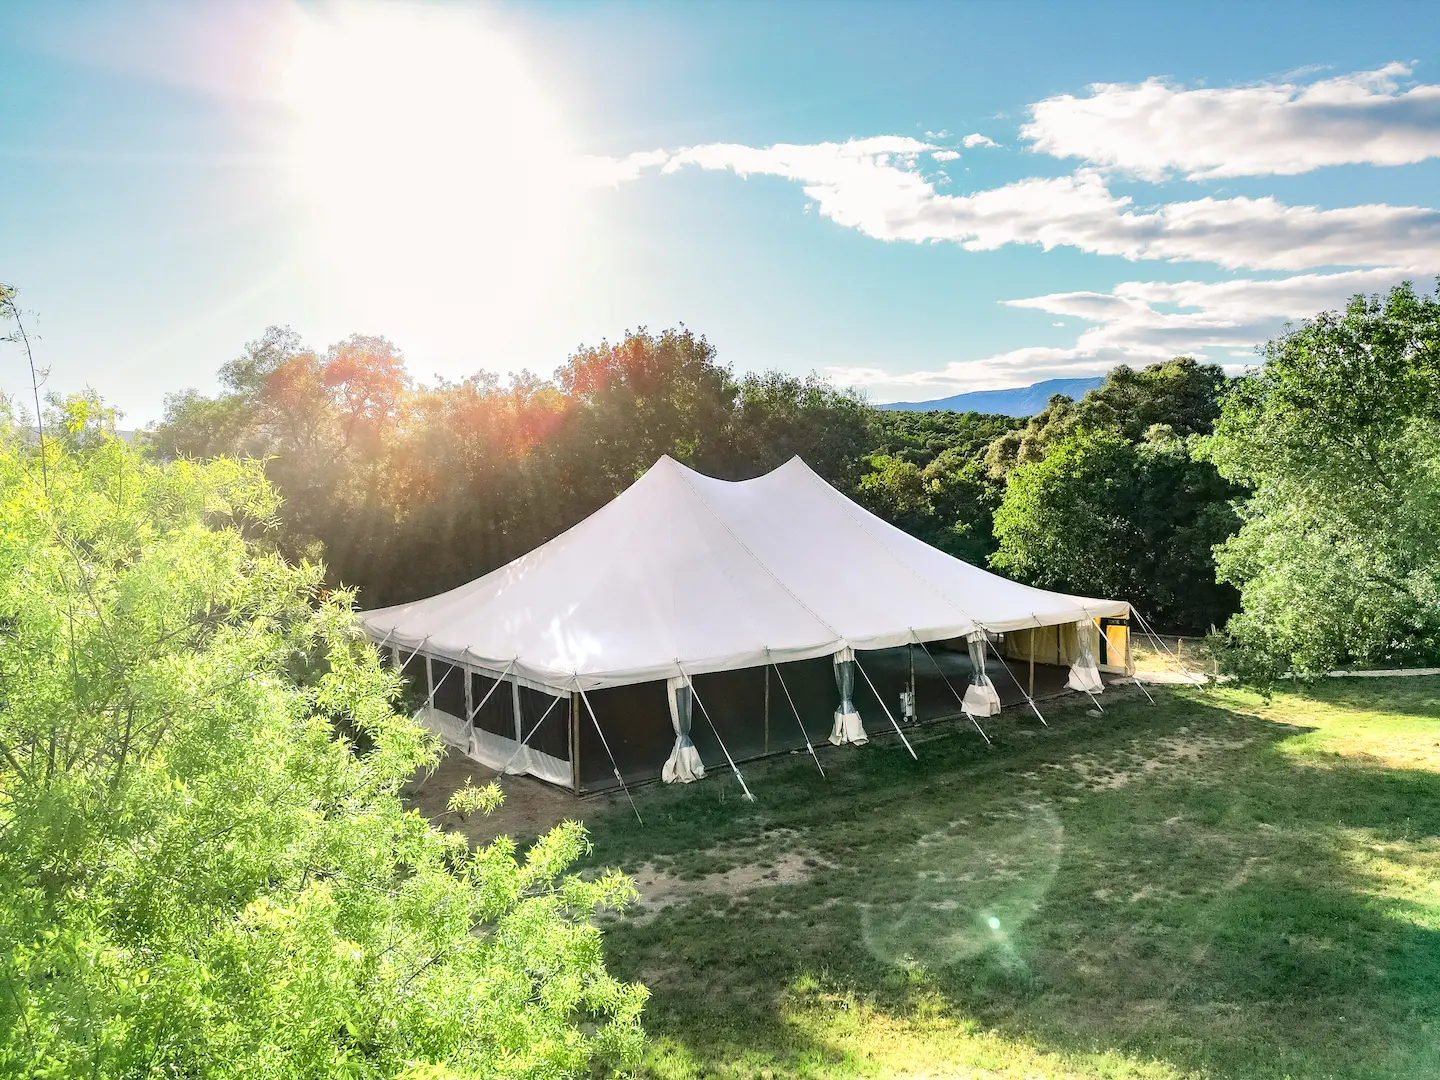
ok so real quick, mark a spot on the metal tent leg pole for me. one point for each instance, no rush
(796, 711)
(886, 708)
(590, 709)
(575, 742)
(453, 669)
(526, 739)
(1018, 685)
(498, 683)
(958, 698)
(706, 713)
(414, 654)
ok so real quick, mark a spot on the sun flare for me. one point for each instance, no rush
(433, 168)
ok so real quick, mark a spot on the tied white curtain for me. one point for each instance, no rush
(1084, 672)
(980, 696)
(848, 728)
(684, 764)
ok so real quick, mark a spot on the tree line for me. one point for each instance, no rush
(1164, 486)
(406, 490)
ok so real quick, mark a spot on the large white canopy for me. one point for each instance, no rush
(683, 573)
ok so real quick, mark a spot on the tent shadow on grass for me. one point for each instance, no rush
(1158, 891)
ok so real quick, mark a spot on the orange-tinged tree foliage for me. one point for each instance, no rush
(407, 489)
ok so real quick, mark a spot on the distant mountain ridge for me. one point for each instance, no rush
(1016, 401)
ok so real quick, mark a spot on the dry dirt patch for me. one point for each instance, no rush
(1181, 750)
(660, 889)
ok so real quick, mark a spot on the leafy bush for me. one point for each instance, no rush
(206, 868)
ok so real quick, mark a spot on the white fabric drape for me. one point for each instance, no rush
(1085, 672)
(848, 728)
(981, 698)
(684, 764)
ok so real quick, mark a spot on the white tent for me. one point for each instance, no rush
(683, 574)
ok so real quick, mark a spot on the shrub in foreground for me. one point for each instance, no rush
(206, 868)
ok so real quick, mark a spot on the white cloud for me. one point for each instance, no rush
(1153, 129)
(945, 155)
(1137, 323)
(975, 139)
(874, 185)
(594, 171)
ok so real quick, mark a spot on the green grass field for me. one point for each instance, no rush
(1214, 886)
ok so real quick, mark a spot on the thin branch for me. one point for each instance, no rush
(7, 299)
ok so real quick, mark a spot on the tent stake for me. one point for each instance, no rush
(796, 711)
(1018, 685)
(887, 709)
(958, 698)
(706, 713)
(590, 709)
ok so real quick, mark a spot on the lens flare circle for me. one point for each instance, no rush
(969, 891)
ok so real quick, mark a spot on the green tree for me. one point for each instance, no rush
(948, 503)
(206, 868)
(921, 437)
(1103, 516)
(1180, 395)
(778, 416)
(1338, 434)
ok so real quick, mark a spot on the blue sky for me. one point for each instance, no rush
(812, 186)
